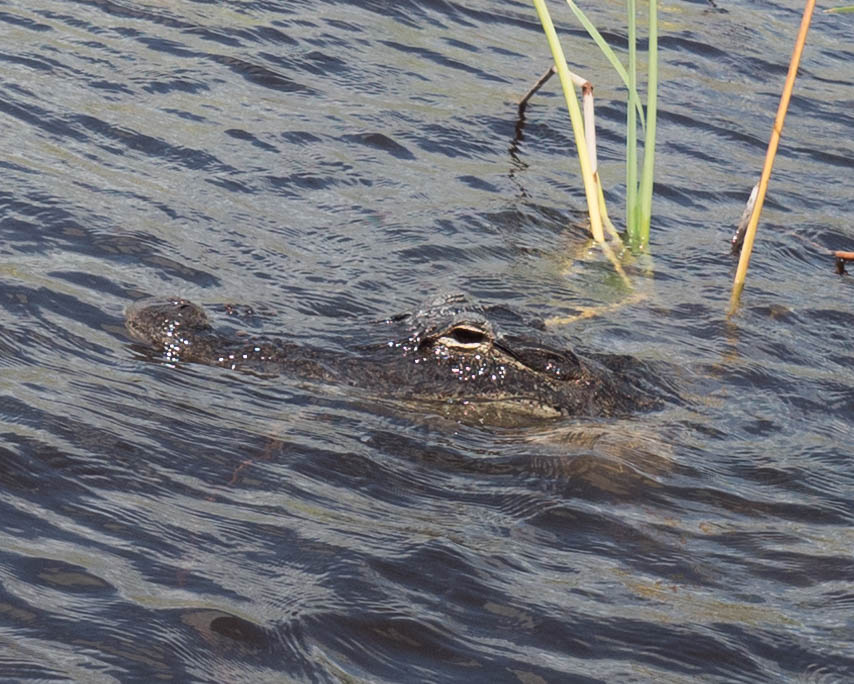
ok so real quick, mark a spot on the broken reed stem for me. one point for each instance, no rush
(585, 312)
(750, 234)
(841, 259)
(575, 117)
(589, 116)
(590, 140)
(551, 71)
(589, 123)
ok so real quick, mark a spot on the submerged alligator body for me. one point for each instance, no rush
(466, 361)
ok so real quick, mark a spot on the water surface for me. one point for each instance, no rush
(329, 165)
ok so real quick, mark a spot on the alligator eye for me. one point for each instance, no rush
(464, 336)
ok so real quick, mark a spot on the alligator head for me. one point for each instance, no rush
(499, 367)
(485, 365)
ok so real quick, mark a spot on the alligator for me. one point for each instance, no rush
(478, 364)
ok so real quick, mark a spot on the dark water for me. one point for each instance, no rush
(329, 164)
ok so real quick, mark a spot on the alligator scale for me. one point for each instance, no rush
(484, 365)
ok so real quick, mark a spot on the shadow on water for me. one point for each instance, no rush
(323, 168)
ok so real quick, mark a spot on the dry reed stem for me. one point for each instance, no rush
(551, 71)
(750, 234)
(586, 312)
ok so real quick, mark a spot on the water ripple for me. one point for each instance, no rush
(307, 173)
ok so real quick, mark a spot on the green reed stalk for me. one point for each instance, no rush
(638, 193)
(610, 55)
(576, 119)
(632, 129)
(646, 181)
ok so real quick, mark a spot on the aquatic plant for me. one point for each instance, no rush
(747, 232)
(638, 189)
